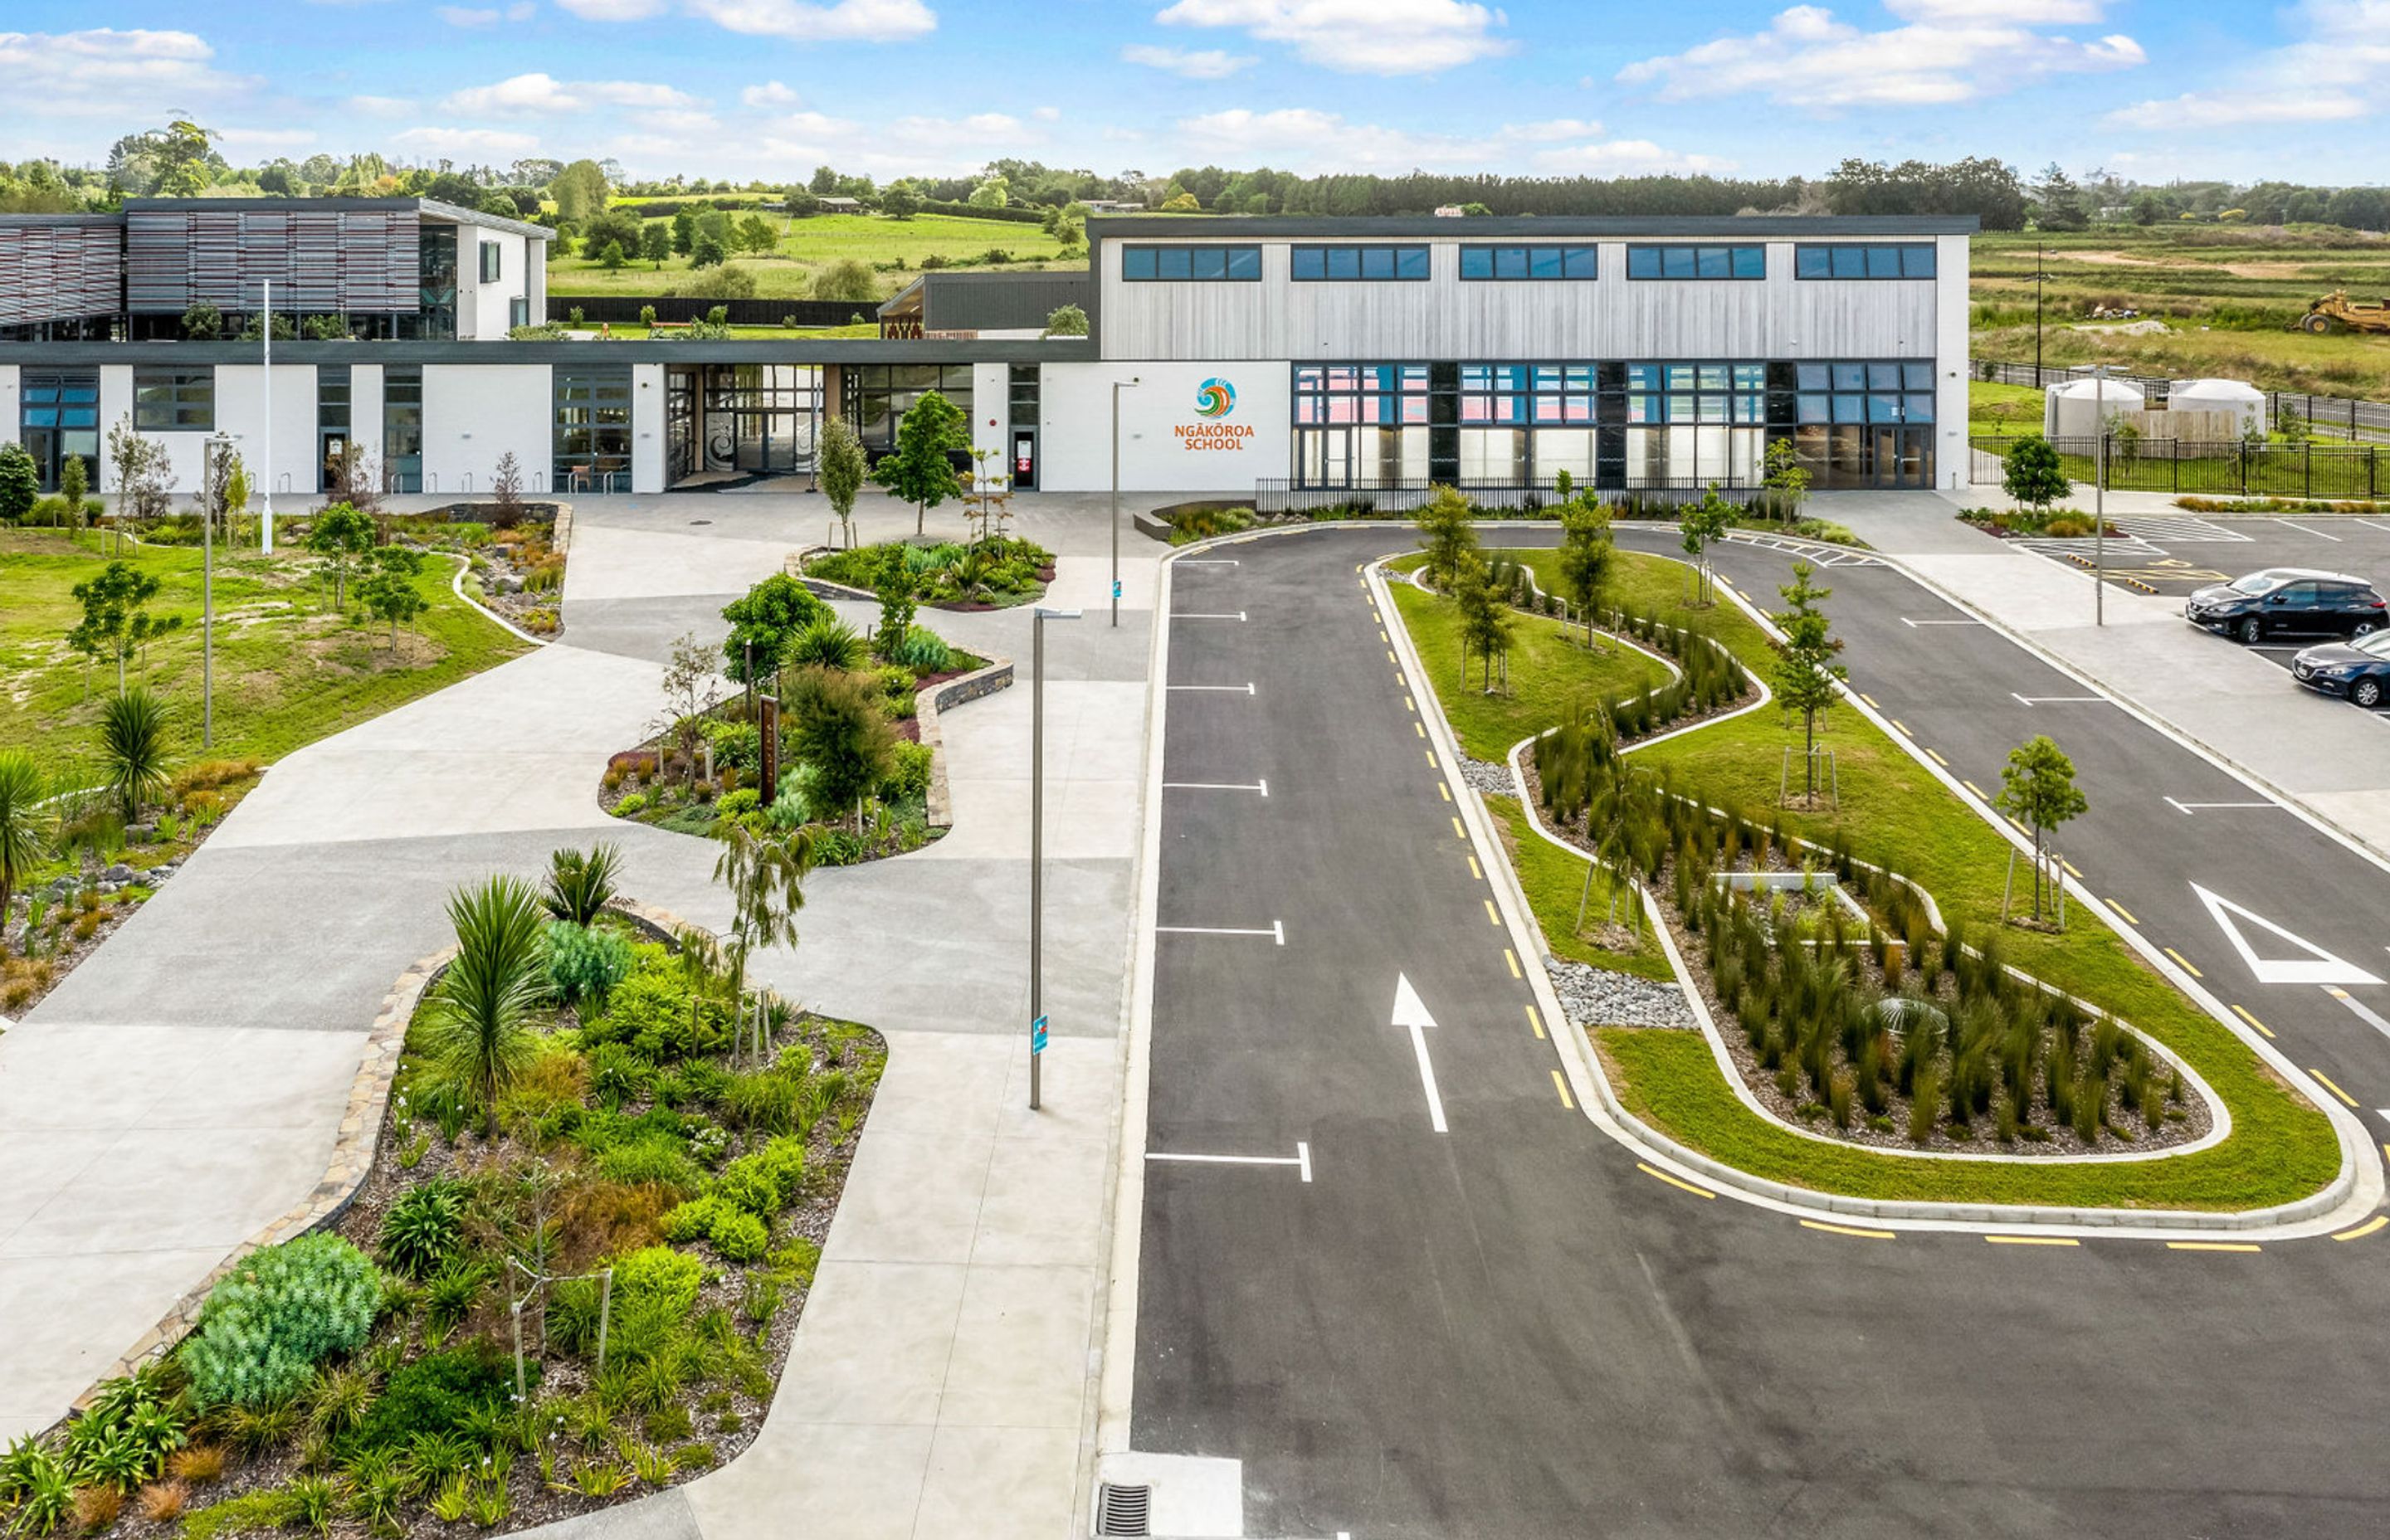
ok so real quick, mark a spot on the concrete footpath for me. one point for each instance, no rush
(2320, 754)
(185, 1086)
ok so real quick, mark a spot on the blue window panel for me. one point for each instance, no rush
(1850, 408)
(1510, 262)
(1210, 263)
(1680, 377)
(1850, 261)
(1884, 409)
(1580, 261)
(1751, 376)
(1713, 261)
(1916, 261)
(1643, 262)
(1710, 376)
(1310, 263)
(1749, 408)
(1344, 262)
(1175, 262)
(1307, 377)
(1680, 261)
(1244, 264)
(1814, 408)
(1138, 263)
(1921, 408)
(1812, 376)
(1850, 377)
(1543, 262)
(1813, 262)
(41, 417)
(1883, 377)
(1883, 261)
(1643, 376)
(1751, 262)
(1917, 376)
(1378, 264)
(1410, 263)
(1477, 262)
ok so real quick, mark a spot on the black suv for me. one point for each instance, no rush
(2285, 601)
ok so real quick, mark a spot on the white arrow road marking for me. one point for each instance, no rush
(2318, 967)
(1301, 1159)
(1411, 1011)
(2362, 1011)
(1276, 930)
(2188, 809)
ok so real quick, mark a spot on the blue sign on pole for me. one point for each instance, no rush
(1037, 1035)
(1116, 588)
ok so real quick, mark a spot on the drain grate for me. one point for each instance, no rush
(694, 522)
(1123, 1509)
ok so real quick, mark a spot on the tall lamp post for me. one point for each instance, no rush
(219, 484)
(1037, 838)
(265, 331)
(1118, 386)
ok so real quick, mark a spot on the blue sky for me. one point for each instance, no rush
(770, 88)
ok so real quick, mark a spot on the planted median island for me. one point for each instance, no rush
(1885, 976)
(569, 1275)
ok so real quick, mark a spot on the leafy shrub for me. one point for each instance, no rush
(276, 1314)
(632, 805)
(436, 1394)
(763, 1181)
(826, 642)
(654, 1289)
(741, 1236)
(920, 649)
(422, 1226)
(736, 744)
(908, 780)
(580, 882)
(651, 1012)
(584, 964)
(693, 1219)
(617, 1073)
(654, 1159)
(739, 803)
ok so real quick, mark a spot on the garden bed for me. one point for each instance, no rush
(651, 1173)
(996, 573)
(514, 557)
(2036, 524)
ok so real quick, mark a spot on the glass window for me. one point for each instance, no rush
(1697, 261)
(174, 400)
(1813, 262)
(1916, 261)
(1852, 259)
(1528, 262)
(1917, 376)
(593, 428)
(1190, 264)
(490, 262)
(1477, 262)
(1359, 263)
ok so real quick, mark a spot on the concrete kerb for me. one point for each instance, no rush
(928, 703)
(2334, 1205)
(561, 540)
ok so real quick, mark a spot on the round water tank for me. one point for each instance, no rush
(2243, 401)
(2072, 410)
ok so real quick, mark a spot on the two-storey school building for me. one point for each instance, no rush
(1321, 355)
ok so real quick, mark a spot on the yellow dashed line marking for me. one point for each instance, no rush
(2361, 1231)
(1480, 877)
(1392, 658)
(1381, 634)
(1408, 704)
(1937, 759)
(1431, 756)
(2072, 869)
(1972, 787)
(1866, 697)
(1675, 1181)
(2325, 1080)
(2187, 965)
(2253, 1020)
(1562, 1087)
(1458, 832)
(1845, 1229)
(2033, 1241)
(1417, 729)
(1535, 1021)
(1513, 959)
(1493, 918)
(2122, 910)
(1903, 727)
(1442, 790)
(2213, 1246)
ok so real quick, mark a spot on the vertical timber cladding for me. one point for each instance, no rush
(319, 260)
(60, 269)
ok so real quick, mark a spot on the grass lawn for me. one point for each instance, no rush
(1554, 882)
(809, 243)
(637, 333)
(1550, 671)
(1896, 813)
(287, 672)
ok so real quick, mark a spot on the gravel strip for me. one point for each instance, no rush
(1487, 778)
(1598, 997)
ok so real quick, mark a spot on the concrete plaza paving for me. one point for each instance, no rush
(183, 1087)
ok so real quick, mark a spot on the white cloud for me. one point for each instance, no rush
(379, 106)
(489, 142)
(1193, 63)
(100, 70)
(613, 10)
(910, 146)
(1047, 114)
(468, 16)
(2339, 69)
(679, 123)
(540, 92)
(846, 21)
(1305, 139)
(1950, 51)
(1366, 37)
(770, 93)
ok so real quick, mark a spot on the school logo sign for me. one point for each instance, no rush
(1215, 398)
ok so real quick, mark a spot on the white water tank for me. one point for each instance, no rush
(2244, 401)
(2072, 410)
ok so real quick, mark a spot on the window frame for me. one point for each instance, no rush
(1914, 262)
(1238, 263)
(1525, 252)
(191, 401)
(1352, 261)
(493, 261)
(1684, 262)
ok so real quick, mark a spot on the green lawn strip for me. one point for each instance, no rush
(1554, 882)
(286, 671)
(1549, 673)
(785, 271)
(1895, 812)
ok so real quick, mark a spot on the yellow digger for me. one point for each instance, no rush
(2337, 312)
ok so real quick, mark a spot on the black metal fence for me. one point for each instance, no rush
(1400, 497)
(2355, 417)
(624, 310)
(2226, 466)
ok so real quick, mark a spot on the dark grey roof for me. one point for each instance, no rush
(1281, 227)
(818, 350)
(991, 302)
(337, 205)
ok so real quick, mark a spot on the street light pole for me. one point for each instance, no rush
(1038, 840)
(1118, 385)
(216, 478)
(2100, 498)
(265, 331)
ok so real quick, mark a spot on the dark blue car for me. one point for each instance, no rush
(2288, 601)
(2358, 671)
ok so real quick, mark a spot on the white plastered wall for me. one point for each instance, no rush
(365, 412)
(1950, 313)
(475, 412)
(12, 405)
(241, 409)
(647, 428)
(481, 308)
(991, 411)
(1165, 445)
(115, 405)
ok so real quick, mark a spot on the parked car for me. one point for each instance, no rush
(2282, 601)
(2358, 671)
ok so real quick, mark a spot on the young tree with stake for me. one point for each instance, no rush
(1446, 533)
(341, 536)
(1807, 673)
(1587, 558)
(919, 471)
(843, 468)
(1704, 525)
(2031, 474)
(1484, 622)
(2037, 790)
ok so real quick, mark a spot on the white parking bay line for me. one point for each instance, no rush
(2189, 809)
(2372, 525)
(1262, 786)
(1300, 1159)
(1182, 615)
(2303, 530)
(2057, 700)
(1224, 689)
(1914, 624)
(1276, 930)
(1207, 561)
